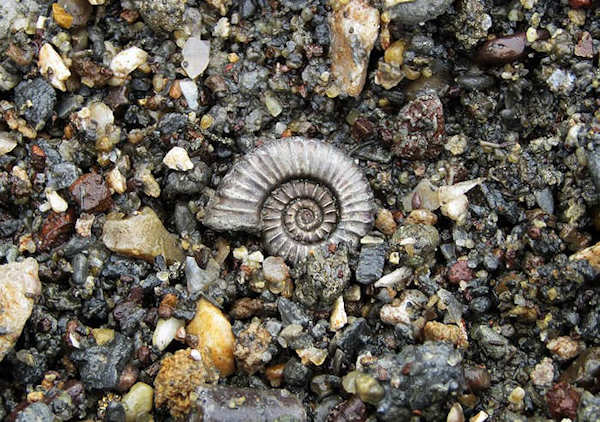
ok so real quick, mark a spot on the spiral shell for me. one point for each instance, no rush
(299, 193)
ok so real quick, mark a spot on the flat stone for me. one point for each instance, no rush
(141, 236)
(19, 286)
(370, 263)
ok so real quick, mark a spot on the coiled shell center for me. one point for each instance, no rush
(305, 210)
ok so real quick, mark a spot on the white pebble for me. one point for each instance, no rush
(338, 315)
(52, 66)
(190, 92)
(177, 159)
(127, 61)
(195, 56)
(57, 204)
(116, 180)
(165, 332)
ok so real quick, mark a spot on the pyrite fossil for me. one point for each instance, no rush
(299, 193)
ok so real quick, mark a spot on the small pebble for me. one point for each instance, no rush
(177, 159)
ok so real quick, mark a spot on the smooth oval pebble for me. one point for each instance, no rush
(502, 50)
(215, 338)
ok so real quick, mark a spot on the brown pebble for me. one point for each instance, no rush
(91, 193)
(477, 378)
(385, 222)
(579, 4)
(351, 410)
(246, 307)
(562, 400)
(38, 157)
(167, 305)
(460, 271)
(275, 374)
(56, 229)
(128, 377)
(91, 73)
(502, 50)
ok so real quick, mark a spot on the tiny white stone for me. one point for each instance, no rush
(196, 54)
(240, 253)
(116, 180)
(222, 29)
(338, 315)
(177, 159)
(127, 61)
(97, 2)
(52, 66)
(165, 332)
(190, 92)
(57, 204)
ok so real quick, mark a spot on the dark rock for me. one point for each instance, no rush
(172, 123)
(36, 100)
(585, 370)
(493, 344)
(161, 15)
(370, 263)
(62, 175)
(351, 410)
(28, 366)
(353, 337)
(589, 408)
(424, 377)
(292, 313)
(415, 12)
(295, 373)
(80, 269)
(36, 412)
(214, 405)
(184, 219)
(115, 412)
(100, 366)
(475, 81)
(325, 277)
(187, 183)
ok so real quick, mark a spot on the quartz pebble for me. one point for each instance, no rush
(177, 159)
(214, 336)
(338, 315)
(137, 402)
(353, 30)
(189, 89)
(53, 67)
(195, 56)
(141, 235)
(19, 287)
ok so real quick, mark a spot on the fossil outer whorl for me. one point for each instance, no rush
(300, 193)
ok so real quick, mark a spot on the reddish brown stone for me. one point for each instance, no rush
(91, 193)
(579, 4)
(91, 72)
(419, 129)
(362, 128)
(56, 229)
(562, 400)
(503, 49)
(167, 305)
(130, 15)
(38, 157)
(351, 410)
(460, 271)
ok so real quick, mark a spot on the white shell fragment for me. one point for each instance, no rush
(165, 331)
(7, 143)
(177, 159)
(127, 61)
(52, 67)
(195, 56)
(300, 193)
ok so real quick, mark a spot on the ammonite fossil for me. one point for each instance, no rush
(299, 193)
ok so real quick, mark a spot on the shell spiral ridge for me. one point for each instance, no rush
(300, 193)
